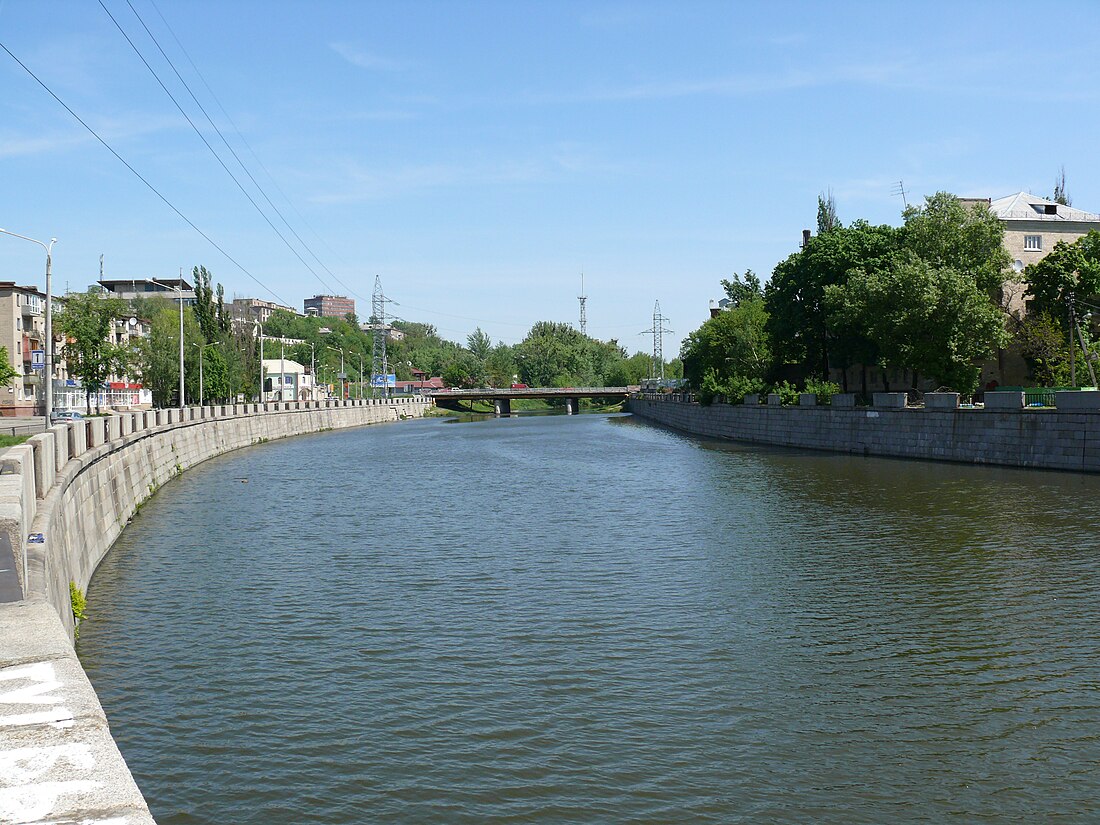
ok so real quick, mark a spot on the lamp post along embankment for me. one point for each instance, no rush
(47, 377)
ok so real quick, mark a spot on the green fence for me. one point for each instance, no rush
(1041, 396)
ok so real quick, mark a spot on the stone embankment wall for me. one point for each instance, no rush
(64, 498)
(1014, 437)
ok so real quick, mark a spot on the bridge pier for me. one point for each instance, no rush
(502, 406)
(572, 406)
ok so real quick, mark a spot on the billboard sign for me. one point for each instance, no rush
(384, 380)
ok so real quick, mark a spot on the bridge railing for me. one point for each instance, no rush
(520, 392)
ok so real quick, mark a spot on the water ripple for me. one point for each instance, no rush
(588, 619)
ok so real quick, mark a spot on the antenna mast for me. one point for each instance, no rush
(900, 190)
(657, 369)
(583, 299)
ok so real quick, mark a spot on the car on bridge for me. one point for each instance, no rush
(520, 387)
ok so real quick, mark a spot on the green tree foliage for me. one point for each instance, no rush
(800, 325)
(209, 306)
(1044, 344)
(555, 355)
(732, 345)
(87, 320)
(740, 289)
(7, 371)
(215, 375)
(158, 355)
(479, 344)
(827, 220)
(1073, 267)
(970, 240)
(933, 319)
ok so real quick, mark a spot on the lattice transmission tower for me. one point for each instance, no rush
(657, 369)
(378, 365)
(583, 299)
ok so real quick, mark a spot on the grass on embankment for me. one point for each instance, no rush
(12, 440)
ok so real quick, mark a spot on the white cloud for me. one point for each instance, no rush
(368, 60)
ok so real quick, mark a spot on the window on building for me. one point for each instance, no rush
(1033, 243)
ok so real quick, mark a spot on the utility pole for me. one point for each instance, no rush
(179, 295)
(583, 299)
(47, 373)
(1075, 326)
(282, 367)
(657, 370)
(1072, 345)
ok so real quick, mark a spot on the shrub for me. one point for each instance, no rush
(824, 390)
(787, 392)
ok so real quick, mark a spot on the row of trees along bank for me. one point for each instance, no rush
(552, 354)
(931, 297)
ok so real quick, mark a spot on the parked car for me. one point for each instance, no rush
(63, 416)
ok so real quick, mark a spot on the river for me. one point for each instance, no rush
(551, 619)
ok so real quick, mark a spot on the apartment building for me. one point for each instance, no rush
(329, 306)
(23, 334)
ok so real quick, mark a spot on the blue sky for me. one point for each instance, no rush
(480, 156)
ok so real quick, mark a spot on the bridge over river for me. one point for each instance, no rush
(502, 398)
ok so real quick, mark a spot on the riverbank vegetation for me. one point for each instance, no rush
(552, 354)
(933, 297)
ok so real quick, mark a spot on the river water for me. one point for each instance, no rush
(590, 619)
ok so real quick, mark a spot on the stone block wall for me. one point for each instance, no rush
(73, 489)
(1048, 439)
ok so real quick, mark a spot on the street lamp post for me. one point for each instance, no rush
(342, 373)
(202, 353)
(48, 371)
(360, 376)
(260, 391)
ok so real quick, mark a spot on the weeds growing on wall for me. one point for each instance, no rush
(79, 605)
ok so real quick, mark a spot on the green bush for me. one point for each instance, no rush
(824, 390)
(734, 389)
(787, 392)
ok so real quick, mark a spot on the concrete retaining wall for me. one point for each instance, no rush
(65, 496)
(1050, 439)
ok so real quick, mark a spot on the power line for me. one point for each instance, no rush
(232, 151)
(217, 157)
(243, 140)
(140, 177)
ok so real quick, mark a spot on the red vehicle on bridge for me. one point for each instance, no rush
(520, 387)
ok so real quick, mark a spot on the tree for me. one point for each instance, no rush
(733, 344)
(554, 355)
(827, 220)
(158, 355)
(7, 371)
(970, 240)
(800, 326)
(741, 289)
(205, 309)
(87, 321)
(1070, 267)
(1046, 348)
(1060, 194)
(479, 344)
(932, 319)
